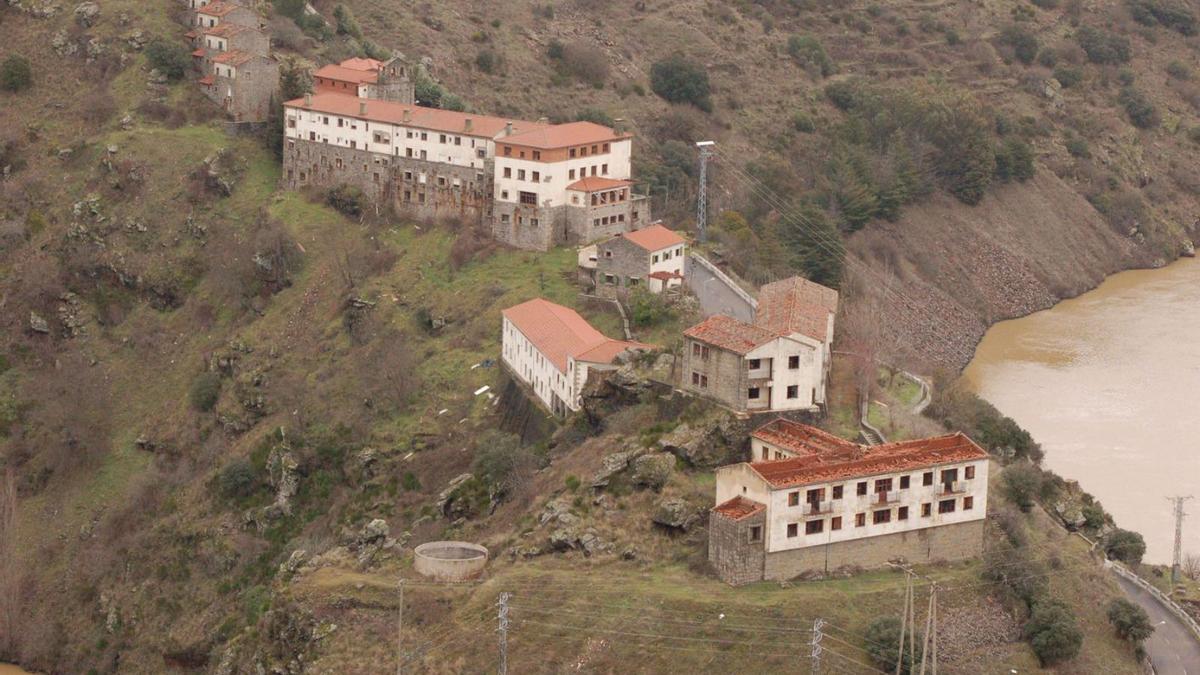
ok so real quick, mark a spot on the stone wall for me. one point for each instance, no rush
(734, 557)
(256, 83)
(945, 543)
(519, 230)
(726, 373)
(627, 260)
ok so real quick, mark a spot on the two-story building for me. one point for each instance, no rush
(223, 11)
(828, 503)
(227, 37)
(242, 83)
(652, 258)
(779, 362)
(389, 80)
(552, 349)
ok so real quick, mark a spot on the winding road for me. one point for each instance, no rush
(1172, 647)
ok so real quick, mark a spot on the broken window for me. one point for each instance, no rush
(755, 364)
(571, 174)
(902, 513)
(837, 491)
(537, 154)
(814, 527)
(536, 177)
(860, 520)
(927, 478)
(520, 174)
(753, 393)
(756, 533)
(880, 517)
(792, 530)
(695, 375)
(835, 523)
(862, 489)
(926, 509)
(904, 481)
(793, 362)
(794, 498)
(968, 503)
(946, 506)
(793, 391)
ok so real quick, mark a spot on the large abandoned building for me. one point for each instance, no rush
(389, 80)
(820, 502)
(534, 184)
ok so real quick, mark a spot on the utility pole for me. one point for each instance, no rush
(503, 617)
(930, 632)
(816, 645)
(1179, 514)
(400, 632)
(702, 194)
(907, 621)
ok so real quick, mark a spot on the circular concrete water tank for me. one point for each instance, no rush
(450, 560)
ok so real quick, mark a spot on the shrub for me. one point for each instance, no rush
(1014, 159)
(843, 95)
(595, 115)
(1046, 4)
(1068, 76)
(168, 58)
(1168, 13)
(501, 461)
(410, 482)
(346, 24)
(646, 308)
(1103, 47)
(1078, 147)
(1179, 70)
(555, 49)
(205, 391)
(810, 53)
(1194, 134)
(1126, 546)
(1017, 573)
(237, 481)
(680, 80)
(1126, 77)
(581, 61)
(1131, 622)
(1022, 484)
(571, 482)
(487, 60)
(883, 644)
(952, 37)
(15, 73)
(1141, 111)
(1053, 632)
(1047, 58)
(803, 122)
(1024, 43)
(347, 200)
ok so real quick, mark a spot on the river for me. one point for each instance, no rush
(1109, 384)
(6, 669)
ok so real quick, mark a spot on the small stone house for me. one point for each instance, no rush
(228, 37)
(652, 258)
(242, 84)
(223, 11)
(822, 502)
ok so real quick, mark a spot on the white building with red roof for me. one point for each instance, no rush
(651, 258)
(780, 362)
(820, 502)
(552, 349)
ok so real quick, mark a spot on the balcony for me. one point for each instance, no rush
(817, 508)
(885, 498)
(953, 488)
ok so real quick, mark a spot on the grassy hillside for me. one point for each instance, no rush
(180, 341)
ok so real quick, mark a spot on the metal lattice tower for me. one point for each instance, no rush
(817, 635)
(702, 193)
(1179, 514)
(503, 616)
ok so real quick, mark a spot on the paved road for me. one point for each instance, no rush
(1172, 647)
(715, 296)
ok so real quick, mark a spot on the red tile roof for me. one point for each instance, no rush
(207, 79)
(219, 8)
(560, 334)
(654, 238)
(801, 439)
(344, 74)
(665, 276)
(796, 305)
(869, 461)
(566, 135)
(234, 57)
(594, 183)
(730, 334)
(738, 508)
(226, 30)
(482, 126)
(199, 52)
(361, 64)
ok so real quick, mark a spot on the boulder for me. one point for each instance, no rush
(38, 324)
(705, 445)
(611, 465)
(445, 495)
(676, 514)
(294, 562)
(86, 14)
(558, 511)
(653, 471)
(282, 475)
(374, 531)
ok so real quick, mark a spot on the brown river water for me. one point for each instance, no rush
(1109, 384)
(6, 669)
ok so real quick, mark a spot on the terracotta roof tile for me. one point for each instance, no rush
(738, 508)
(730, 334)
(665, 276)
(344, 74)
(482, 126)
(199, 52)
(869, 461)
(219, 8)
(796, 305)
(361, 64)
(226, 30)
(566, 135)
(594, 183)
(235, 57)
(802, 439)
(560, 334)
(207, 79)
(654, 238)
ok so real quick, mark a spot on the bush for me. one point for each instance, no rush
(1194, 134)
(1046, 4)
(810, 53)
(680, 80)
(346, 24)
(1167, 13)
(1179, 70)
(237, 481)
(1022, 484)
(1126, 546)
(15, 73)
(487, 60)
(169, 58)
(581, 61)
(803, 122)
(1017, 573)
(1024, 43)
(1131, 622)
(555, 49)
(1053, 632)
(1014, 159)
(1141, 111)
(1068, 76)
(1078, 147)
(595, 115)
(646, 308)
(1103, 47)
(502, 462)
(205, 391)
(347, 200)
(883, 644)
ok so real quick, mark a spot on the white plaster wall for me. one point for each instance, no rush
(810, 374)
(534, 369)
(555, 176)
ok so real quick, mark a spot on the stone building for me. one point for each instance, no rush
(780, 362)
(222, 11)
(652, 258)
(552, 349)
(525, 179)
(243, 84)
(829, 503)
(389, 80)
(227, 37)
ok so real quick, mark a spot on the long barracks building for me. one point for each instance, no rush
(537, 185)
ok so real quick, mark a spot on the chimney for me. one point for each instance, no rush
(362, 108)
(407, 115)
(468, 124)
(508, 129)
(308, 100)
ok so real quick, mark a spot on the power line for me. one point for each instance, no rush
(1179, 515)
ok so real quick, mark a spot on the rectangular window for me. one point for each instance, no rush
(753, 393)
(969, 472)
(862, 488)
(968, 503)
(902, 513)
(880, 517)
(441, 138)
(571, 174)
(537, 154)
(926, 509)
(793, 391)
(835, 523)
(815, 496)
(703, 353)
(756, 533)
(860, 520)
(793, 362)
(794, 498)
(946, 506)
(904, 480)
(704, 382)
(837, 491)
(537, 178)
(755, 364)
(571, 152)
(458, 140)
(695, 375)
(604, 169)
(927, 478)
(654, 260)
(291, 122)
(949, 475)
(520, 174)
(529, 198)
(814, 527)
(508, 172)
(695, 346)
(793, 530)
(883, 485)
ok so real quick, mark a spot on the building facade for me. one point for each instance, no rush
(243, 84)
(551, 349)
(222, 11)
(830, 503)
(651, 258)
